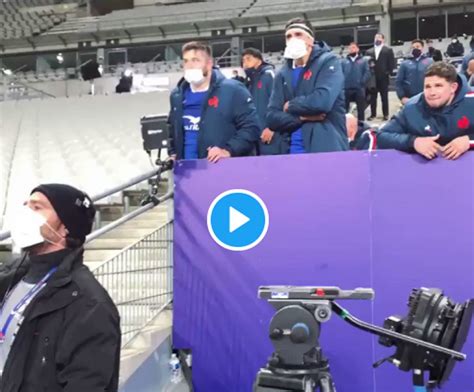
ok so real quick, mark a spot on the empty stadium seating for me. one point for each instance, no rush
(91, 142)
(26, 18)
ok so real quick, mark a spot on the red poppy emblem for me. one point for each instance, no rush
(259, 84)
(214, 102)
(307, 75)
(463, 123)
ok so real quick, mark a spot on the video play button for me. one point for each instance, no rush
(237, 220)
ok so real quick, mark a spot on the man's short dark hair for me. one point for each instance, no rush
(197, 45)
(381, 34)
(252, 52)
(302, 21)
(442, 70)
(418, 41)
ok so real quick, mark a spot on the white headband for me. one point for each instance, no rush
(302, 27)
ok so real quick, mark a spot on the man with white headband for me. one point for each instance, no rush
(308, 101)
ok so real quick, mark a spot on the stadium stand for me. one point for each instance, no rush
(51, 146)
(26, 18)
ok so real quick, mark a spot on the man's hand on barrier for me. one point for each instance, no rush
(427, 146)
(267, 136)
(456, 147)
(285, 106)
(315, 118)
(214, 154)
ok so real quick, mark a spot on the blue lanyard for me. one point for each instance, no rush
(25, 301)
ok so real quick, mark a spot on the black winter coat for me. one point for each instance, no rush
(69, 340)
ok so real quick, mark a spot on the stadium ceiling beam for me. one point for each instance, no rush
(267, 19)
(163, 34)
(128, 34)
(343, 12)
(195, 25)
(232, 24)
(96, 37)
(62, 39)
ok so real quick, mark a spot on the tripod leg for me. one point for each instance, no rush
(326, 384)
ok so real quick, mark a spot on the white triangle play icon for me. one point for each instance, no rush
(236, 219)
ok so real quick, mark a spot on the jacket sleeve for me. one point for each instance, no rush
(88, 354)
(277, 119)
(171, 134)
(329, 84)
(391, 62)
(366, 74)
(394, 135)
(400, 82)
(246, 122)
(268, 80)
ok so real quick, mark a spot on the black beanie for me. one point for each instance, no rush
(74, 208)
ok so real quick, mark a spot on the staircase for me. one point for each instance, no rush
(107, 246)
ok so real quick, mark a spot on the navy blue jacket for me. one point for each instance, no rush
(319, 90)
(228, 119)
(260, 85)
(418, 119)
(357, 73)
(411, 76)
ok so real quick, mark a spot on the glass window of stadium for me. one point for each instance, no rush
(144, 54)
(274, 43)
(336, 37)
(256, 43)
(460, 23)
(403, 27)
(23, 63)
(221, 52)
(432, 24)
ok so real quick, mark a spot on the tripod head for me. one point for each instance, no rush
(427, 340)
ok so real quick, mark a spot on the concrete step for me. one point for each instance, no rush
(95, 255)
(109, 243)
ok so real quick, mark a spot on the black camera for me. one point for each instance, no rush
(433, 318)
(427, 340)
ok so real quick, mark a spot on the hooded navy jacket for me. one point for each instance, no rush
(411, 76)
(418, 119)
(356, 72)
(319, 90)
(228, 118)
(260, 84)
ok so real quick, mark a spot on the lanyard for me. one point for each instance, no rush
(20, 306)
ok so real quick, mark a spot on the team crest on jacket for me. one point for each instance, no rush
(307, 75)
(213, 102)
(259, 84)
(428, 128)
(463, 123)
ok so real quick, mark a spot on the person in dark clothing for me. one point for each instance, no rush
(236, 76)
(434, 53)
(455, 48)
(411, 74)
(440, 121)
(357, 74)
(211, 117)
(468, 57)
(60, 331)
(384, 66)
(260, 77)
(308, 94)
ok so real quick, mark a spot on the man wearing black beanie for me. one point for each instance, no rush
(59, 329)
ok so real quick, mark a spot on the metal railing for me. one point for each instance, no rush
(139, 280)
(4, 235)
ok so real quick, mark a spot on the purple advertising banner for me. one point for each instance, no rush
(389, 221)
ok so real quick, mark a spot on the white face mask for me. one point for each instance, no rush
(295, 49)
(194, 76)
(26, 229)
